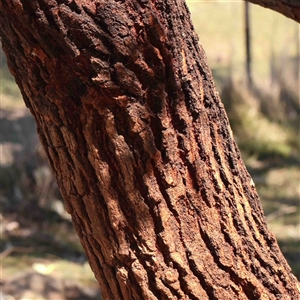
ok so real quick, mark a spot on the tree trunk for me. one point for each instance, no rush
(248, 45)
(141, 147)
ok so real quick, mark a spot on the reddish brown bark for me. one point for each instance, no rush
(139, 141)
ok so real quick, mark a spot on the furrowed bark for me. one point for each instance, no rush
(127, 111)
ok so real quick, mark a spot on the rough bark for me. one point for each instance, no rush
(289, 8)
(141, 147)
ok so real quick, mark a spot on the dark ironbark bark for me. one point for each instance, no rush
(141, 147)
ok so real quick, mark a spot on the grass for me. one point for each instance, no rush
(49, 264)
(10, 96)
(220, 26)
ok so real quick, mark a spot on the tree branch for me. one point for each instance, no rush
(289, 8)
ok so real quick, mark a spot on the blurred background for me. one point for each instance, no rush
(254, 55)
